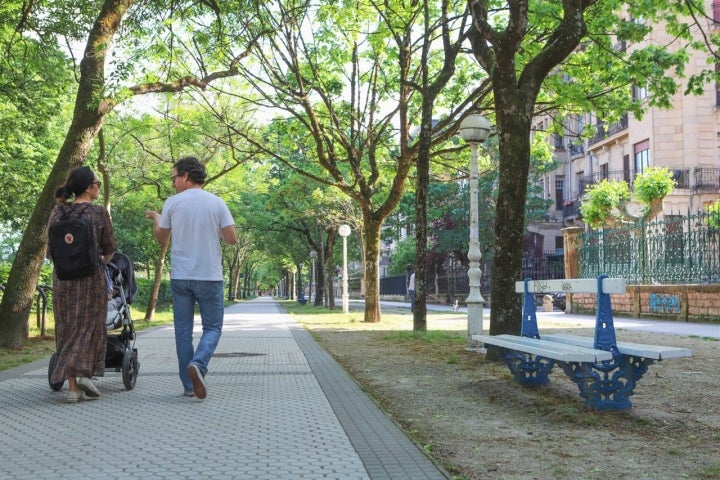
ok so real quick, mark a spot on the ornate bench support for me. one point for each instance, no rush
(528, 369)
(607, 385)
(604, 385)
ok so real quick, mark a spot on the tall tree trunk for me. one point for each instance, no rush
(319, 287)
(421, 231)
(372, 270)
(157, 281)
(514, 145)
(88, 116)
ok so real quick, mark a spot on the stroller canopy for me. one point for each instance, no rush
(120, 263)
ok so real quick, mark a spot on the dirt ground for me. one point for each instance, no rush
(478, 423)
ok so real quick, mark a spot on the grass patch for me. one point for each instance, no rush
(394, 319)
(445, 338)
(434, 336)
(713, 471)
(712, 339)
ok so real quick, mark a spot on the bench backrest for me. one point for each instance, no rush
(573, 285)
(602, 286)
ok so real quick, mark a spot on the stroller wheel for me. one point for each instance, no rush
(54, 386)
(130, 368)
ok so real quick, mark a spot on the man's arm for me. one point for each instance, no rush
(229, 235)
(162, 235)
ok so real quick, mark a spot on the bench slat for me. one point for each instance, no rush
(554, 350)
(573, 285)
(656, 352)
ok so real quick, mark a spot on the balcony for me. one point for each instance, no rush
(682, 178)
(605, 131)
(707, 179)
(585, 181)
(571, 208)
(577, 150)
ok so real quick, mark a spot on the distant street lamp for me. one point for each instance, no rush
(474, 129)
(313, 256)
(344, 231)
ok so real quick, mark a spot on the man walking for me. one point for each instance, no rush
(197, 221)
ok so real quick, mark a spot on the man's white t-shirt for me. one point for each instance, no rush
(195, 218)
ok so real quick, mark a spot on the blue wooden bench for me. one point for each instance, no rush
(604, 370)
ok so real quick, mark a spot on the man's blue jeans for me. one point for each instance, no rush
(209, 296)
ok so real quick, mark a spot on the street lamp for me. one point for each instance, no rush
(474, 129)
(313, 256)
(344, 231)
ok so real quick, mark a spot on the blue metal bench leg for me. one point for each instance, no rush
(608, 385)
(526, 368)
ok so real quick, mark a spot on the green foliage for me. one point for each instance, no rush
(602, 199)
(653, 184)
(164, 300)
(713, 212)
(605, 203)
(35, 87)
(403, 256)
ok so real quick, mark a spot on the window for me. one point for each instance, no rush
(638, 93)
(682, 178)
(559, 192)
(642, 156)
(604, 172)
(626, 168)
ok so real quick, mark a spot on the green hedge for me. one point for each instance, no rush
(144, 289)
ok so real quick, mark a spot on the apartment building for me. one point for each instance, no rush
(685, 139)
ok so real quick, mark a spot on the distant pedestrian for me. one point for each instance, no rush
(80, 304)
(197, 221)
(411, 292)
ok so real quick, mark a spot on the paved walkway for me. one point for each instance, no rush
(278, 407)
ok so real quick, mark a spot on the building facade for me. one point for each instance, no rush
(684, 139)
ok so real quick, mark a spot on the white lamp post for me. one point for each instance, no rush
(313, 285)
(344, 231)
(474, 129)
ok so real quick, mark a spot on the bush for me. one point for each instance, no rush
(653, 185)
(143, 294)
(601, 200)
(713, 211)
(604, 203)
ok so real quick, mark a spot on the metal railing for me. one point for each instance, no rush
(707, 178)
(605, 130)
(679, 249)
(613, 175)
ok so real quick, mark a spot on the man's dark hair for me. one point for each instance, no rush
(192, 166)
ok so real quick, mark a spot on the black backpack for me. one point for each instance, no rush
(73, 247)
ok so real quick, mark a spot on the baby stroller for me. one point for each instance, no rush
(121, 353)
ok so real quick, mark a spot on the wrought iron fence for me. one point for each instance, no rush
(677, 249)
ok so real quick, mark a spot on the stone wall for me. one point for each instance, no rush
(685, 303)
